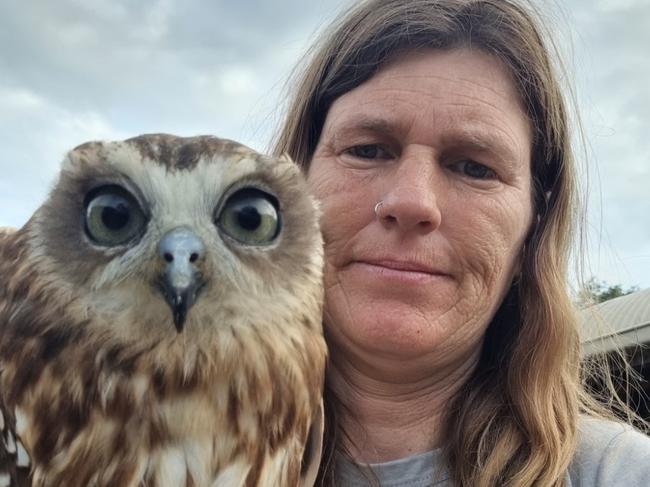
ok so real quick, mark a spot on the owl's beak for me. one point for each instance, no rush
(181, 280)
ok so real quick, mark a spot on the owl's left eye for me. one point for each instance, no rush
(113, 216)
(251, 217)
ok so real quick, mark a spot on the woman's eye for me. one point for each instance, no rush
(368, 151)
(475, 170)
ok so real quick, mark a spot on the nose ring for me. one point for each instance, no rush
(378, 207)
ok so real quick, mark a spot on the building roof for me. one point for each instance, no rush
(619, 322)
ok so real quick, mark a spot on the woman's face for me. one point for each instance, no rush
(441, 140)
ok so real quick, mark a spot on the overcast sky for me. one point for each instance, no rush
(76, 70)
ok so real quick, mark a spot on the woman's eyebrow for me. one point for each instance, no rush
(486, 141)
(365, 123)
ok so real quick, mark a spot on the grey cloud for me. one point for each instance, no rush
(75, 70)
(613, 73)
(125, 55)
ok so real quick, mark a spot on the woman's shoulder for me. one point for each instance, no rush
(610, 454)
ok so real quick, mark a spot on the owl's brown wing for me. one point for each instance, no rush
(14, 462)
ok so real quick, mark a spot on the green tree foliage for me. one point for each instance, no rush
(597, 291)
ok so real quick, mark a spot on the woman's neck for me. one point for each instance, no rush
(385, 420)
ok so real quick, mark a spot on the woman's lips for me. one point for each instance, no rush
(406, 271)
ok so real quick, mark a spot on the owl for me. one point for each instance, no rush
(160, 321)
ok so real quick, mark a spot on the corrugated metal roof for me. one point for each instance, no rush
(622, 321)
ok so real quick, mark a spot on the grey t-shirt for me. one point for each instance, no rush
(608, 455)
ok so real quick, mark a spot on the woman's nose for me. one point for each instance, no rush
(411, 202)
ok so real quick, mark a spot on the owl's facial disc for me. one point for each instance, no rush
(181, 281)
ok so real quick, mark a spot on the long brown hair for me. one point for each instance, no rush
(515, 420)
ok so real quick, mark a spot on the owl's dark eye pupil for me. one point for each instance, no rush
(249, 218)
(115, 217)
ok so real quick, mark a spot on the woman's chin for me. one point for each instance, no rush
(387, 327)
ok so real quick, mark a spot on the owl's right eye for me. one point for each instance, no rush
(113, 216)
(251, 217)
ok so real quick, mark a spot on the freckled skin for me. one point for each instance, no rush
(418, 121)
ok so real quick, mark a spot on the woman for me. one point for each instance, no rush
(435, 134)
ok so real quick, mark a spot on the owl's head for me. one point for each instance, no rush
(161, 234)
